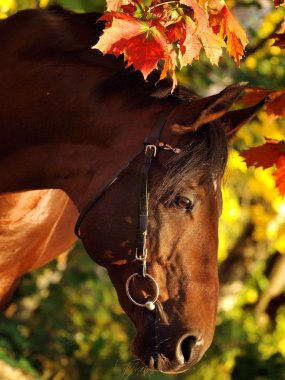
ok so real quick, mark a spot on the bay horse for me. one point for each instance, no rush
(141, 165)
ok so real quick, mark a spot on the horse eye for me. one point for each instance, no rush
(183, 203)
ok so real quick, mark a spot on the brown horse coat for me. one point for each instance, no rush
(35, 227)
(71, 119)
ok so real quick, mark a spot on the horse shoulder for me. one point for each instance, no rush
(36, 227)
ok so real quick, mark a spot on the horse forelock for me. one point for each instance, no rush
(205, 154)
(202, 160)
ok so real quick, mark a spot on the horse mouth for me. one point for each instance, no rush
(165, 366)
(166, 348)
(166, 362)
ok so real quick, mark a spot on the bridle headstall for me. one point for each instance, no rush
(150, 147)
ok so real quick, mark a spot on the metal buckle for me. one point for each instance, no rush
(154, 147)
(143, 257)
(149, 304)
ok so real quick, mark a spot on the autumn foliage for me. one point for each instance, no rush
(171, 34)
(78, 343)
(272, 153)
(279, 38)
(275, 105)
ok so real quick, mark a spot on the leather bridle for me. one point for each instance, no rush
(150, 146)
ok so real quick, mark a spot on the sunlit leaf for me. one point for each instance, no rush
(280, 175)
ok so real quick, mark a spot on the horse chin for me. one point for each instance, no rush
(169, 368)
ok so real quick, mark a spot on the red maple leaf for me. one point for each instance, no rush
(265, 155)
(114, 5)
(172, 34)
(169, 65)
(226, 26)
(275, 105)
(212, 43)
(279, 40)
(235, 47)
(142, 45)
(233, 25)
(190, 44)
(279, 37)
(144, 52)
(175, 30)
(253, 95)
(280, 175)
(278, 3)
(200, 13)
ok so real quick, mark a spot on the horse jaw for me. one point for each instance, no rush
(185, 268)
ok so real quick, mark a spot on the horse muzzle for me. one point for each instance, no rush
(165, 352)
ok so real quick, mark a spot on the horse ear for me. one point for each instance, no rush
(211, 108)
(232, 121)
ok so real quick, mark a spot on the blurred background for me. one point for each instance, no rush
(64, 322)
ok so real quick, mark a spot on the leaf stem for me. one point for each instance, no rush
(158, 5)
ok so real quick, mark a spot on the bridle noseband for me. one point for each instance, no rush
(150, 146)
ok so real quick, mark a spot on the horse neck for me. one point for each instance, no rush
(58, 129)
(78, 156)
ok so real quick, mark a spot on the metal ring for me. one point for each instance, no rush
(147, 302)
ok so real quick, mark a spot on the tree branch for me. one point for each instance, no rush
(252, 49)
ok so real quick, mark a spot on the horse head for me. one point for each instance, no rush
(155, 229)
(172, 283)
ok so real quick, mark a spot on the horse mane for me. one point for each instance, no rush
(202, 160)
(205, 155)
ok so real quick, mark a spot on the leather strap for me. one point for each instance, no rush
(141, 252)
(154, 136)
(101, 192)
(152, 144)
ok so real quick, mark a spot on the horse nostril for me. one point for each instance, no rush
(185, 347)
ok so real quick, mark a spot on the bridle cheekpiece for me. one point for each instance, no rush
(150, 146)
